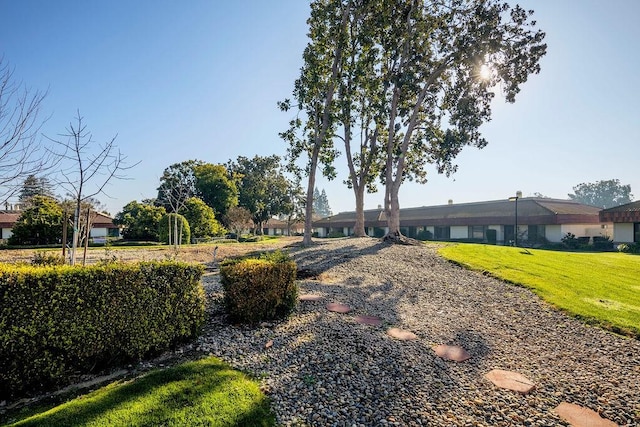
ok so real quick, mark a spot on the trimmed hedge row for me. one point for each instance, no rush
(259, 289)
(58, 320)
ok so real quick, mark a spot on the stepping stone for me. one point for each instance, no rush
(338, 308)
(369, 320)
(452, 352)
(579, 416)
(510, 380)
(401, 334)
(310, 297)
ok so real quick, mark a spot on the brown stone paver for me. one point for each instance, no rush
(510, 381)
(310, 297)
(401, 334)
(579, 416)
(338, 308)
(369, 320)
(452, 352)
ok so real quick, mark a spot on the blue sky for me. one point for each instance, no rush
(200, 80)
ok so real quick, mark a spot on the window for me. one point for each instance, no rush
(536, 233)
(636, 232)
(476, 232)
(442, 233)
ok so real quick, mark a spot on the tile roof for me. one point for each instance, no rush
(530, 211)
(629, 212)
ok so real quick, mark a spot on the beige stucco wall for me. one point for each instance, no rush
(553, 233)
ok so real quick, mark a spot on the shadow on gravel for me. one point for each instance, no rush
(316, 259)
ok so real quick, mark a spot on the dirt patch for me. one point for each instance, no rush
(201, 253)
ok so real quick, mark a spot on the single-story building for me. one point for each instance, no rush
(277, 227)
(626, 222)
(538, 220)
(101, 228)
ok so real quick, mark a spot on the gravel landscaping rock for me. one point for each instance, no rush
(325, 368)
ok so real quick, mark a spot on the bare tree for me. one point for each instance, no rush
(21, 153)
(87, 168)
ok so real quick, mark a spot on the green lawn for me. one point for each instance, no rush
(601, 288)
(202, 393)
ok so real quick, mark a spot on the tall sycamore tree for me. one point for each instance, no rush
(416, 79)
(440, 64)
(314, 93)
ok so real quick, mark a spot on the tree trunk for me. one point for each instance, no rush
(308, 209)
(86, 237)
(76, 225)
(393, 215)
(358, 228)
(65, 222)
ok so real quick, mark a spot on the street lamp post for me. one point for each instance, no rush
(515, 230)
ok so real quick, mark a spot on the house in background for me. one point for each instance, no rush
(7, 219)
(538, 220)
(101, 228)
(626, 222)
(277, 227)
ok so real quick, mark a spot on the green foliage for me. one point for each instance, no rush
(47, 258)
(141, 221)
(36, 186)
(177, 184)
(570, 241)
(629, 248)
(202, 219)
(333, 234)
(216, 187)
(423, 235)
(57, 320)
(321, 204)
(259, 289)
(600, 288)
(205, 392)
(602, 243)
(168, 224)
(264, 190)
(39, 224)
(603, 194)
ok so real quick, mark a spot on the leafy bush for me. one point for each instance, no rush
(602, 243)
(250, 239)
(629, 248)
(259, 289)
(424, 235)
(570, 241)
(168, 222)
(62, 319)
(335, 234)
(47, 258)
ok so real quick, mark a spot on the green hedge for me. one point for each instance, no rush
(259, 289)
(58, 320)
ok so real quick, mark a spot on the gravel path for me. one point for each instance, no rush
(326, 369)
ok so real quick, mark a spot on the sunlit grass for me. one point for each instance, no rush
(601, 288)
(202, 393)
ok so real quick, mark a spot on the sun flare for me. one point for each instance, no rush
(485, 72)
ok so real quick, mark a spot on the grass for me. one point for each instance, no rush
(600, 288)
(202, 393)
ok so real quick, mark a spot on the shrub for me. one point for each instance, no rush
(602, 243)
(424, 235)
(259, 289)
(168, 223)
(629, 248)
(335, 234)
(59, 320)
(570, 241)
(47, 258)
